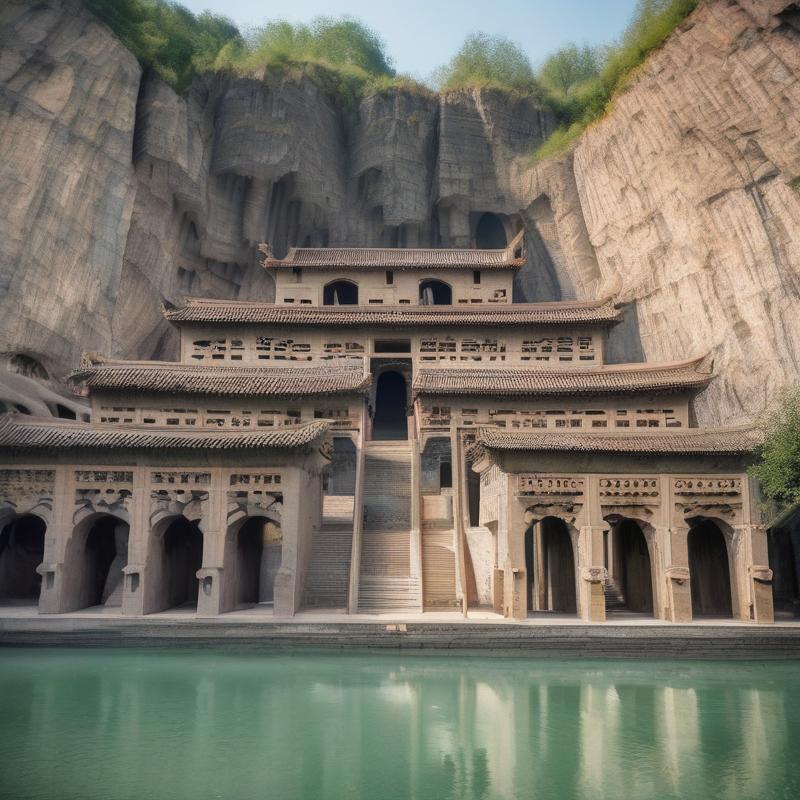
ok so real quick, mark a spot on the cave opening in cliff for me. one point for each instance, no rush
(709, 571)
(21, 551)
(97, 555)
(340, 293)
(490, 233)
(390, 421)
(435, 293)
(550, 567)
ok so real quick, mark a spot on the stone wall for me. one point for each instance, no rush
(118, 193)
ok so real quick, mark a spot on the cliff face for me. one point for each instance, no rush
(118, 193)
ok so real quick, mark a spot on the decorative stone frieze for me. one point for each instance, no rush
(720, 498)
(25, 491)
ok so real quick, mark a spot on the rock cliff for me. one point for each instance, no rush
(681, 203)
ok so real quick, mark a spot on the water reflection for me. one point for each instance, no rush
(197, 724)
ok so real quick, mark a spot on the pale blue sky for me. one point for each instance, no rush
(420, 35)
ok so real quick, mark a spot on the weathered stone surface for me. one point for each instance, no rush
(679, 203)
(685, 189)
(67, 107)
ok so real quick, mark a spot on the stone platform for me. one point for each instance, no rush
(626, 636)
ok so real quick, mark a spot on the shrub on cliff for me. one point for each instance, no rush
(166, 37)
(487, 61)
(587, 96)
(778, 469)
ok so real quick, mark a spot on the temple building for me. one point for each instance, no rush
(391, 434)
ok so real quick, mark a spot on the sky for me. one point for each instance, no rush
(420, 35)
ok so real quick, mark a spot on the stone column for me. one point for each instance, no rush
(214, 526)
(288, 581)
(57, 534)
(515, 601)
(592, 574)
(134, 572)
(676, 560)
(753, 573)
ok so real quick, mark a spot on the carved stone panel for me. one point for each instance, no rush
(551, 496)
(708, 497)
(24, 491)
(634, 497)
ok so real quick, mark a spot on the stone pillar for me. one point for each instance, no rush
(133, 588)
(539, 599)
(676, 573)
(592, 574)
(753, 575)
(52, 593)
(214, 527)
(515, 601)
(295, 527)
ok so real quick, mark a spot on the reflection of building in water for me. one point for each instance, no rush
(392, 432)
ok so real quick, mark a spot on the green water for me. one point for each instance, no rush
(209, 724)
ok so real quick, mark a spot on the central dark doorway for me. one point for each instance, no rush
(551, 569)
(105, 555)
(632, 567)
(183, 556)
(490, 233)
(709, 571)
(21, 551)
(390, 421)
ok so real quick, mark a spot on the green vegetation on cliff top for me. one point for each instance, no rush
(349, 60)
(778, 471)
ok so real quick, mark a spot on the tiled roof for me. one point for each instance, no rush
(407, 316)
(395, 258)
(685, 441)
(23, 432)
(523, 382)
(231, 381)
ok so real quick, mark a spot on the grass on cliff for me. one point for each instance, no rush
(579, 83)
(166, 37)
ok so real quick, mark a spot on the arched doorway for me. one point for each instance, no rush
(258, 559)
(490, 233)
(631, 569)
(94, 559)
(550, 563)
(435, 293)
(340, 293)
(709, 570)
(390, 421)
(182, 556)
(21, 551)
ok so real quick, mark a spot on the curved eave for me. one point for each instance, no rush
(565, 382)
(205, 312)
(33, 433)
(690, 441)
(222, 381)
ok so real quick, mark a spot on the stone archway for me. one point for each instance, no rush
(490, 232)
(631, 569)
(181, 546)
(257, 558)
(550, 562)
(709, 570)
(96, 554)
(21, 551)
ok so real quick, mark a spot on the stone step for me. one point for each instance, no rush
(615, 598)
(438, 569)
(337, 510)
(388, 594)
(328, 575)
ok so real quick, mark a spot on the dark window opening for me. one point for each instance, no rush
(340, 293)
(389, 278)
(476, 277)
(435, 293)
(391, 419)
(64, 412)
(445, 475)
(392, 345)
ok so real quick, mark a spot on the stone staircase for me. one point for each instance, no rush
(329, 568)
(615, 599)
(385, 581)
(438, 568)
